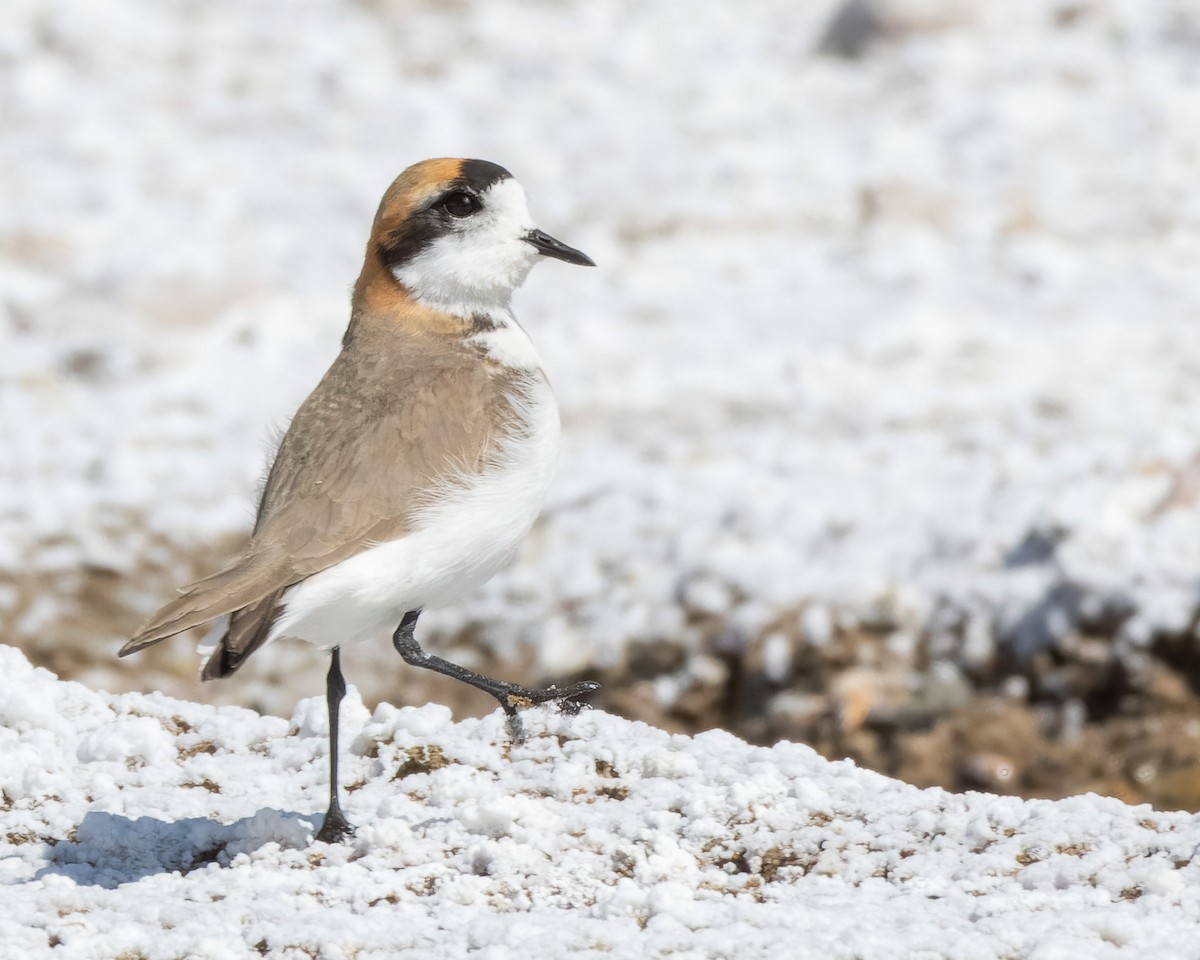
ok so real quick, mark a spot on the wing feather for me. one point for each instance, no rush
(373, 443)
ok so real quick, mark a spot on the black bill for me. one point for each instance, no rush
(548, 246)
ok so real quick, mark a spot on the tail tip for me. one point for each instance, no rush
(131, 646)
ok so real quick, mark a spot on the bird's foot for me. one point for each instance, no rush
(335, 828)
(514, 698)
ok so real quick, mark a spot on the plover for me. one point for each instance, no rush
(418, 464)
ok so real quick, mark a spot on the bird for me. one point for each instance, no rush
(417, 465)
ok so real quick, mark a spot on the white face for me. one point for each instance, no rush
(479, 260)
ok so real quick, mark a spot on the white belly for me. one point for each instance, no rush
(455, 545)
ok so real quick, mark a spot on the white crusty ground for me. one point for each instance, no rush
(143, 827)
(857, 327)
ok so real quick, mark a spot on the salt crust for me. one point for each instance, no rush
(142, 826)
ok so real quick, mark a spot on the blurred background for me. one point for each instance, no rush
(881, 414)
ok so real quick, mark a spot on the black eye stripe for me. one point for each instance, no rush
(431, 220)
(423, 227)
(413, 236)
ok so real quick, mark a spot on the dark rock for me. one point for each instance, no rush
(851, 30)
(1038, 546)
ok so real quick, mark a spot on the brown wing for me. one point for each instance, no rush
(368, 448)
(363, 453)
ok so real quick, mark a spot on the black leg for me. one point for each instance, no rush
(510, 696)
(335, 827)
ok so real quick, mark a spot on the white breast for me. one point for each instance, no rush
(455, 544)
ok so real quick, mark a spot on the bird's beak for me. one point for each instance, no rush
(549, 247)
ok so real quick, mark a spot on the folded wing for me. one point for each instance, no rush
(363, 454)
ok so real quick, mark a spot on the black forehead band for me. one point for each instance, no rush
(481, 174)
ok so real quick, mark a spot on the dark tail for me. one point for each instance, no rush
(248, 630)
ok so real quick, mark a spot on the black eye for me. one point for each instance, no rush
(460, 204)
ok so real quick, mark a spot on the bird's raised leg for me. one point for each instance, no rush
(511, 696)
(335, 826)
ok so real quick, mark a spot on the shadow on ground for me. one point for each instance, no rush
(110, 850)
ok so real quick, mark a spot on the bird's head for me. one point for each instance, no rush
(457, 235)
